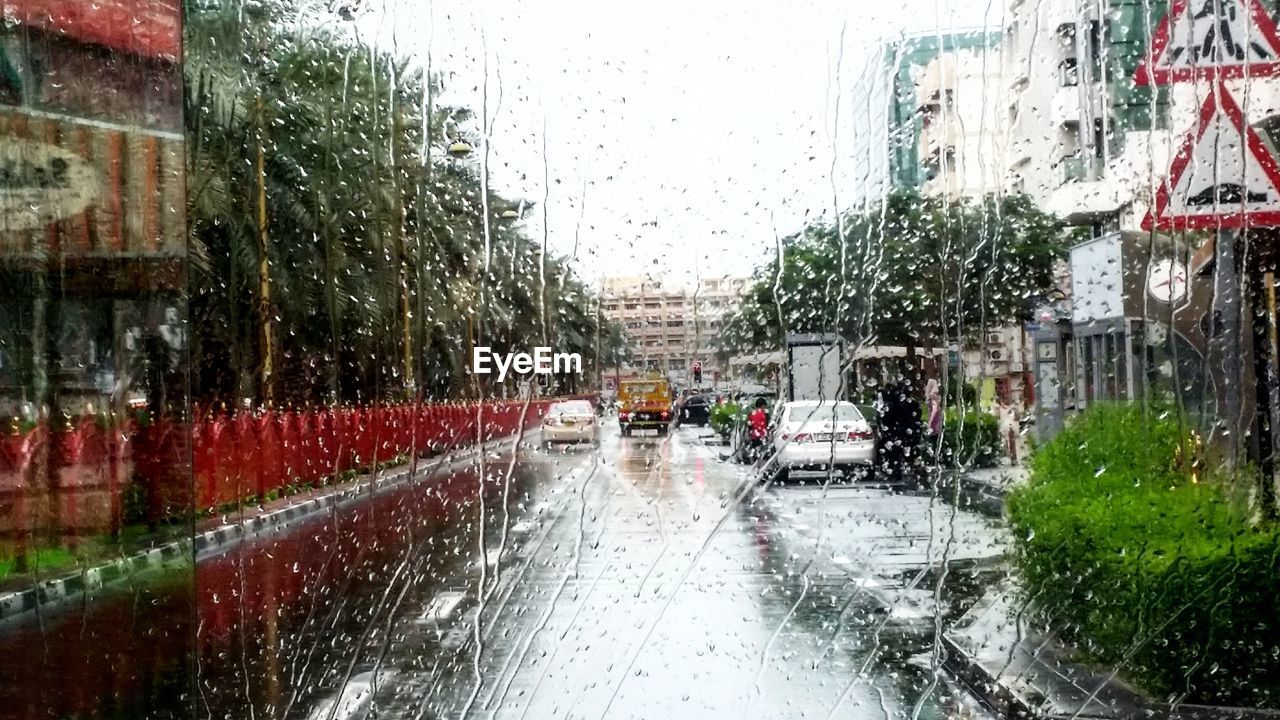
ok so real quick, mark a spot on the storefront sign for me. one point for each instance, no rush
(41, 184)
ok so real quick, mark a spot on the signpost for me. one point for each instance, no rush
(1208, 39)
(1224, 178)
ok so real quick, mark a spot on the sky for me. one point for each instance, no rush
(670, 138)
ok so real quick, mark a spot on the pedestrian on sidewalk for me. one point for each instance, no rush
(757, 429)
(933, 400)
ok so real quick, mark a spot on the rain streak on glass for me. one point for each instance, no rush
(438, 359)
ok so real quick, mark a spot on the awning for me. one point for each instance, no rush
(878, 352)
(149, 28)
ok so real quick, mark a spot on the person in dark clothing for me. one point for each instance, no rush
(901, 430)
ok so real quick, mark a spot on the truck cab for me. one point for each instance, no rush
(644, 407)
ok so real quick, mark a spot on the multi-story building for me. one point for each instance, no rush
(919, 81)
(672, 327)
(1091, 145)
(950, 123)
(962, 132)
(1086, 139)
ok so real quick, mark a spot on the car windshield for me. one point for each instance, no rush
(399, 359)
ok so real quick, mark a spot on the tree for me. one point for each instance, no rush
(310, 283)
(912, 270)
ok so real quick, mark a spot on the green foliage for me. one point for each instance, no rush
(907, 270)
(382, 254)
(961, 393)
(45, 560)
(1145, 565)
(970, 439)
(722, 418)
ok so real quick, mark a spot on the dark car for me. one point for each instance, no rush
(694, 410)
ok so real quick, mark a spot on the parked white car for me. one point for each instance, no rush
(813, 435)
(571, 421)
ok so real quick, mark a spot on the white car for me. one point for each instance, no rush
(571, 421)
(812, 435)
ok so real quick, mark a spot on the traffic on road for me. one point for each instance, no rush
(404, 359)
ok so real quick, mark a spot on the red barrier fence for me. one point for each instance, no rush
(86, 478)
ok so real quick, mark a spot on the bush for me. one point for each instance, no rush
(721, 418)
(1145, 566)
(971, 439)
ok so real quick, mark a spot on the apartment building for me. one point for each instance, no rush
(672, 327)
(1091, 145)
(937, 83)
(962, 133)
(950, 119)
(1087, 141)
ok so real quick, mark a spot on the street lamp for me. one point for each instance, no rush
(460, 148)
(509, 214)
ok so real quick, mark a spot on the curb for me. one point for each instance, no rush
(187, 552)
(1006, 700)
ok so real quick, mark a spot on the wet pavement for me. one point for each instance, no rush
(648, 579)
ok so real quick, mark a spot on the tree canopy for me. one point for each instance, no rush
(908, 270)
(340, 252)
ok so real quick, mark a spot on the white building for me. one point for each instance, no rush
(1088, 143)
(962, 138)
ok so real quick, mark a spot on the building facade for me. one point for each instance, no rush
(951, 131)
(1147, 312)
(962, 134)
(922, 69)
(672, 328)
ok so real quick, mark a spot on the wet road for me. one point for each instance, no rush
(649, 579)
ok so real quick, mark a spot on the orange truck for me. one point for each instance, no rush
(644, 407)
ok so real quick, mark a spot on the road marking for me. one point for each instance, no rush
(353, 699)
(441, 606)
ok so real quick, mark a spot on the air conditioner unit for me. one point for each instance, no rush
(996, 355)
(995, 339)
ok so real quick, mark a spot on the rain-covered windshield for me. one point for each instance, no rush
(449, 359)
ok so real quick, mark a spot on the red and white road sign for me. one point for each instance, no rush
(1203, 39)
(1223, 177)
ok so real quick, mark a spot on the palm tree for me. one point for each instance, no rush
(309, 282)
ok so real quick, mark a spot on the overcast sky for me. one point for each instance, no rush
(677, 134)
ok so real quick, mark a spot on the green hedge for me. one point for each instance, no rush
(721, 418)
(1145, 567)
(971, 439)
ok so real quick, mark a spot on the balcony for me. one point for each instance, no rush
(1063, 16)
(1080, 168)
(1066, 106)
(1019, 153)
(1085, 193)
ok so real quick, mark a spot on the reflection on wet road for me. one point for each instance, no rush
(647, 580)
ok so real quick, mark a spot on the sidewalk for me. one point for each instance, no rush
(982, 490)
(1020, 671)
(213, 534)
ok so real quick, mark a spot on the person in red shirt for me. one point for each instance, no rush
(757, 427)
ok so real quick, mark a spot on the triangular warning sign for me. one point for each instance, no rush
(1223, 176)
(1201, 39)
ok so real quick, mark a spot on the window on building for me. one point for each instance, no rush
(1068, 72)
(1097, 44)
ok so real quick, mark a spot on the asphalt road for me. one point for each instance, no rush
(646, 579)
